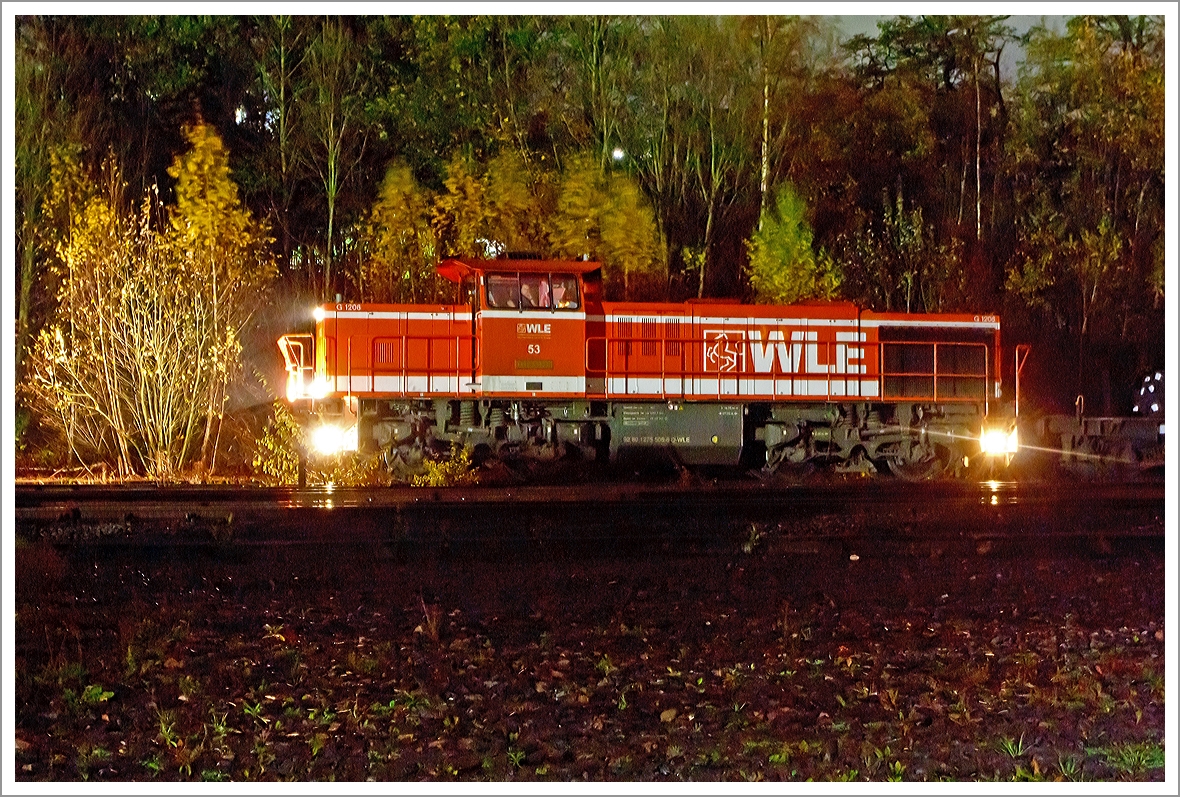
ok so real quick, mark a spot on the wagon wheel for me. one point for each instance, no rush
(919, 462)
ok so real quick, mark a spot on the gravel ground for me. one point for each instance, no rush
(758, 660)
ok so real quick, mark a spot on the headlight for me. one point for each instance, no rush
(319, 388)
(998, 442)
(318, 314)
(330, 439)
(294, 387)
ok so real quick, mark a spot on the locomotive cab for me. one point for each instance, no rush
(530, 319)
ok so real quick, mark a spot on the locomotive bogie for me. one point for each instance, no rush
(797, 433)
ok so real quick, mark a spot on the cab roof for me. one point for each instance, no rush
(455, 270)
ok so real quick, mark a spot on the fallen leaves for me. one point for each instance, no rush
(638, 688)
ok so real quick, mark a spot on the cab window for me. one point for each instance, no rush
(565, 291)
(533, 291)
(503, 291)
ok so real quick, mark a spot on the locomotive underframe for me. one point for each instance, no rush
(911, 440)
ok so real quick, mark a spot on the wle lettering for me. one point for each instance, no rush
(801, 354)
(532, 329)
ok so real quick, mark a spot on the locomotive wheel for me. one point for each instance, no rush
(920, 462)
(404, 462)
(859, 463)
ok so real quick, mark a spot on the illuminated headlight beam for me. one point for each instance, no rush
(319, 388)
(998, 442)
(329, 439)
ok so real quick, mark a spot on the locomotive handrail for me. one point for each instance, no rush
(1020, 357)
(298, 369)
(637, 365)
(403, 369)
(933, 374)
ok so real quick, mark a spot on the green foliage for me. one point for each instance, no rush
(1090, 102)
(1131, 758)
(515, 204)
(1014, 748)
(629, 236)
(40, 114)
(276, 456)
(351, 469)
(453, 471)
(460, 214)
(573, 228)
(167, 728)
(784, 268)
(333, 121)
(899, 263)
(94, 695)
(487, 211)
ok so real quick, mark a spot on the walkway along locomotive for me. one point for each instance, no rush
(534, 363)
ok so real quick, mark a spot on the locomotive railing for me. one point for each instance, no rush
(300, 366)
(948, 384)
(431, 362)
(946, 378)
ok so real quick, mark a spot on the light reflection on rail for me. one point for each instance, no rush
(996, 492)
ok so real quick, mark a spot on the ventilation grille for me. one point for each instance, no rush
(647, 330)
(672, 345)
(626, 330)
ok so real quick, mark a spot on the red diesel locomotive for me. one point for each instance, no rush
(534, 363)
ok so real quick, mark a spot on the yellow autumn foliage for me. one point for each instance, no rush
(607, 218)
(402, 244)
(460, 214)
(135, 365)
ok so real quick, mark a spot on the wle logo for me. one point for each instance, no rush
(726, 351)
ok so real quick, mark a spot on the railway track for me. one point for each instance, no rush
(846, 518)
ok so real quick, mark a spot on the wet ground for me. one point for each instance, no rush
(756, 659)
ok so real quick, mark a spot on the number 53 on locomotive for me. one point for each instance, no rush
(533, 363)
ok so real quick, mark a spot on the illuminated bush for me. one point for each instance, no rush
(454, 471)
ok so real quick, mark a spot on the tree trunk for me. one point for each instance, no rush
(284, 165)
(328, 248)
(978, 138)
(705, 254)
(206, 459)
(963, 182)
(765, 175)
(27, 277)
